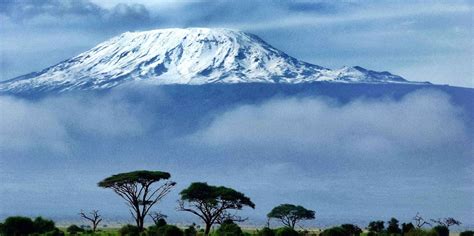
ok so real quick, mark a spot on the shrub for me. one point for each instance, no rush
(129, 230)
(18, 225)
(286, 231)
(229, 228)
(161, 222)
(407, 227)
(351, 229)
(336, 231)
(43, 225)
(190, 231)
(376, 226)
(441, 230)
(166, 230)
(54, 232)
(74, 229)
(420, 232)
(266, 232)
(467, 233)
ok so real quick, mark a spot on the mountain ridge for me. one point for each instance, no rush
(191, 56)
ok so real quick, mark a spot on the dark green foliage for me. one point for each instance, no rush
(393, 227)
(352, 230)
(336, 231)
(18, 225)
(139, 176)
(211, 203)
(74, 229)
(376, 226)
(407, 228)
(441, 230)
(129, 230)
(190, 231)
(161, 222)
(290, 214)
(286, 231)
(137, 189)
(166, 230)
(467, 233)
(420, 232)
(43, 225)
(266, 232)
(229, 228)
(54, 232)
(214, 194)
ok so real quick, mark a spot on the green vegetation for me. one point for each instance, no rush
(19, 225)
(137, 190)
(212, 204)
(290, 214)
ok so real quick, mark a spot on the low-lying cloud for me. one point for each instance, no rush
(372, 157)
(422, 123)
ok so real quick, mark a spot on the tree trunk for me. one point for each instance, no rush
(208, 229)
(140, 223)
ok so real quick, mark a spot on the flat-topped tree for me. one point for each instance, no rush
(137, 190)
(212, 203)
(290, 214)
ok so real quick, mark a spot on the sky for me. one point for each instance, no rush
(419, 40)
(350, 160)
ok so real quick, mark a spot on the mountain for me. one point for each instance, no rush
(185, 56)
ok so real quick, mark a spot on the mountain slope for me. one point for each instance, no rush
(185, 56)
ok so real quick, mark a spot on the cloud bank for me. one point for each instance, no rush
(360, 159)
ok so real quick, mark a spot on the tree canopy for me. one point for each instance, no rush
(211, 203)
(290, 214)
(137, 190)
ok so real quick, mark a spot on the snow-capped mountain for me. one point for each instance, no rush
(185, 56)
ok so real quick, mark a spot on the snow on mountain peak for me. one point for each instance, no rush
(185, 56)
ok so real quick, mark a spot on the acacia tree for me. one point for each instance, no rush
(137, 190)
(290, 214)
(446, 222)
(93, 217)
(212, 203)
(420, 221)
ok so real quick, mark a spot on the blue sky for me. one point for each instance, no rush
(422, 41)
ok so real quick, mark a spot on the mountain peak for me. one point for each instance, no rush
(185, 56)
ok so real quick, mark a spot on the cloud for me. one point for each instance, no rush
(364, 156)
(422, 123)
(74, 13)
(53, 124)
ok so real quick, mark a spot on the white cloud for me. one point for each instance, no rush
(423, 122)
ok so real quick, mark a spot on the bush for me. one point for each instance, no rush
(161, 222)
(129, 230)
(407, 227)
(266, 232)
(376, 226)
(420, 232)
(286, 231)
(166, 230)
(74, 229)
(336, 231)
(190, 231)
(54, 232)
(18, 225)
(351, 229)
(229, 228)
(467, 233)
(441, 230)
(43, 225)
